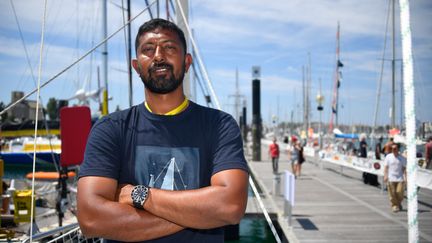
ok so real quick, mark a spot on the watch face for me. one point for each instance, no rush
(139, 195)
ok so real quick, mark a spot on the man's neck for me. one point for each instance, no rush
(164, 103)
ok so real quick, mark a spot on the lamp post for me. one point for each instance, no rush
(320, 108)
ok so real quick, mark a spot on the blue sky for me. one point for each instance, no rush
(276, 35)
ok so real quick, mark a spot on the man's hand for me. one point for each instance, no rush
(385, 179)
(123, 194)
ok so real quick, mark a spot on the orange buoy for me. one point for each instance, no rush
(44, 175)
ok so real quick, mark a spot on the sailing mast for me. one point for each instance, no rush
(393, 107)
(334, 115)
(105, 58)
(129, 53)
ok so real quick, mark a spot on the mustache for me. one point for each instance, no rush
(160, 65)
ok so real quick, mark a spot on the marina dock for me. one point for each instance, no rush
(331, 206)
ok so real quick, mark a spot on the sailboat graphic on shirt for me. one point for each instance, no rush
(168, 181)
(167, 168)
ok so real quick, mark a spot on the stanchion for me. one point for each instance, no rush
(289, 195)
(276, 184)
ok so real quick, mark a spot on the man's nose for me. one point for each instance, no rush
(159, 54)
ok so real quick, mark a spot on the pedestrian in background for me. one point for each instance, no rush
(428, 153)
(395, 177)
(387, 147)
(292, 153)
(368, 178)
(274, 154)
(301, 158)
(378, 148)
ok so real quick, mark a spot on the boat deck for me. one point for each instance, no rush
(334, 207)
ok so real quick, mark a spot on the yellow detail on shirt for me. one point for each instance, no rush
(175, 111)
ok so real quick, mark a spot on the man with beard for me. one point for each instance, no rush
(167, 170)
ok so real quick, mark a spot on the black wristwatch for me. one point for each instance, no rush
(139, 195)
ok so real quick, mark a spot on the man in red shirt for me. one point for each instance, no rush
(274, 154)
(428, 152)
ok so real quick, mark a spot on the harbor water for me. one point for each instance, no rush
(254, 230)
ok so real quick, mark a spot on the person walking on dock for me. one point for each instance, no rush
(378, 148)
(388, 146)
(274, 154)
(293, 153)
(368, 178)
(395, 177)
(168, 169)
(428, 153)
(301, 158)
(296, 156)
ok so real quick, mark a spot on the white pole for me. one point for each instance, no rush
(413, 235)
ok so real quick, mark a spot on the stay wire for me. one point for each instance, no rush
(37, 116)
(47, 129)
(198, 55)
(378, 97)
(200, 85)
(77, 61)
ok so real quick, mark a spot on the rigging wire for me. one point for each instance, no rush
(37, 115)
(47, 129)
(205, 93)
(378, 97)
(76, 61)
(172, 7)
(209, 84)
(149, 9)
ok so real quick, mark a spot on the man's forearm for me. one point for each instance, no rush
(222, 203)
(201, 209)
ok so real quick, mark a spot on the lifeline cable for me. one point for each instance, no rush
(413, 234)
(77, 61)
(266, 214)
(37, 116)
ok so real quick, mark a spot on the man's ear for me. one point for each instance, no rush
(136, 66)
(188, 61)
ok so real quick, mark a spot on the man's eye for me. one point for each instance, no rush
(147, 49)
(170, 48)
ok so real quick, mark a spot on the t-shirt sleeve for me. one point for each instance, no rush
(228, 150)
(102, 153)
(404, 161)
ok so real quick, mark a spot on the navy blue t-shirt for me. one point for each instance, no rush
(179, 152)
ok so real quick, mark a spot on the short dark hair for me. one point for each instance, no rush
(161, 24)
